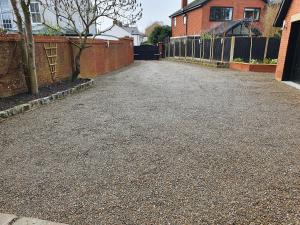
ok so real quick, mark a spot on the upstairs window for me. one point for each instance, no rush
(6, 21)
(184, 20)
(252, 14)
(35, 12)
(175, 22)
(221, 13)
(6, 17)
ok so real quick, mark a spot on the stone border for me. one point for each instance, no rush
(45, 101)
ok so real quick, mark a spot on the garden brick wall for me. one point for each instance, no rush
(100, 58)
(294, 9)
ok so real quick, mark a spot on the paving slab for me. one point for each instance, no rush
(5, 219)
(8, 219)
(32, 221)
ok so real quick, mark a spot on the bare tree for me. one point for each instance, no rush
(23, 21)
(269, 18)
(88, 13)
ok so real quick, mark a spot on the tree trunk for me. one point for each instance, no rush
(30, 49)
(77, 70)
(22, 42)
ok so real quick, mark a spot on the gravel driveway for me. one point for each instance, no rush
(158, 143)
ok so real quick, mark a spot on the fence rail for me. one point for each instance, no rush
(224, 49)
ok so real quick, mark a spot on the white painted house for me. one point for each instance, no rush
(7, 18)
(119, 31)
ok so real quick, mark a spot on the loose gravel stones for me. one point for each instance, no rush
(158, 143)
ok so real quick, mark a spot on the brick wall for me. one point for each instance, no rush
(294, 9)
(199, 19)
(102, 57)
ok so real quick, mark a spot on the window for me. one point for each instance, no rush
(252, 14)
(184, 20)
(6, 19)
(175, 22)
(35, 12)
(221, 13)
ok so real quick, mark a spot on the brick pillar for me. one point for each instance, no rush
(184, 3)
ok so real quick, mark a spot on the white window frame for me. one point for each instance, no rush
(222, 10)
(175, 22)
(249, 9)
(6, 22)
(6, 15)
(36, 13)
(185, 19)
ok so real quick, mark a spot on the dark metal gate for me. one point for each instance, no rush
(146, 52)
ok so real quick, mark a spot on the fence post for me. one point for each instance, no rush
(223, 46)
(179, 49)
(232, 49)
(200, 48)
(174, 49)
(185, 48)
(203, 48)
(266, 48)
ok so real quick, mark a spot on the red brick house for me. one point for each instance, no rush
(200, 16)
(288, 18)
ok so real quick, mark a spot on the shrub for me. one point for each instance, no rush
(2, 31)
(238, 60)
(51, 31)
(255, 61)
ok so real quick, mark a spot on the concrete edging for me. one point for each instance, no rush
(44, 101)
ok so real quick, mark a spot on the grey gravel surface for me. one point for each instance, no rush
(158, 143)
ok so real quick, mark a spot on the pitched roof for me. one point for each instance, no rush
(194, 5)
(132, 30)
(284, 8)
(228, 26)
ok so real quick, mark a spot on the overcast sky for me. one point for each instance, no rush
(155, 10)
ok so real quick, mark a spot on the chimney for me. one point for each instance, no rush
(184, 3)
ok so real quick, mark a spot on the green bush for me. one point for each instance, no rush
(255, 61)
(159, 34)
(206, 36)
(2, 31)
(238, 60)
(55, 31)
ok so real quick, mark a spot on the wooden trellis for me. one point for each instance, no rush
(51, 53)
